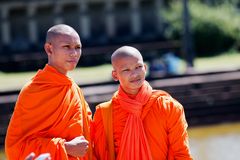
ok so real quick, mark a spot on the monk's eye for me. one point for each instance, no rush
(66, 46)
(139, 67)
(126, 70)
(78, 47)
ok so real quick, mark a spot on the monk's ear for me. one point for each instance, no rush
(145, 66)
(114, 75)
(48, 48)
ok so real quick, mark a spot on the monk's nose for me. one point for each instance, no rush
(134, 74)
(74, 53)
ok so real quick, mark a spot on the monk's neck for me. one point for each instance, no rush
(132, 96)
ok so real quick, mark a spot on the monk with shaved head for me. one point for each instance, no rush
(51, 115)
(138, 123)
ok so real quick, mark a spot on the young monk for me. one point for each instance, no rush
(51, 114)
(138, 123)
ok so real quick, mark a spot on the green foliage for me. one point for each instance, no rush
(214, 29)
(219, 2)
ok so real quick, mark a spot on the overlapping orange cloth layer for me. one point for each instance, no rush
(164, 125)
(134, 144)
(50, 110)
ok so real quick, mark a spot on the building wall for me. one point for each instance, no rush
(23, 24)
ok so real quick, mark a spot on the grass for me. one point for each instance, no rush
(230, 60)
(84, 75)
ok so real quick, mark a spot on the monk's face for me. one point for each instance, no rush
(131, 72)
(64, 52)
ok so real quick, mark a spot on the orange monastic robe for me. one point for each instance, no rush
(163, 121)
(50, 110)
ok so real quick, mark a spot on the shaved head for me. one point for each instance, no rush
(128, 68)
(124, 52)
(57, 30)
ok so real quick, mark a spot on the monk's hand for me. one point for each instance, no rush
(30, 156)
(77, 147)
(43, 156)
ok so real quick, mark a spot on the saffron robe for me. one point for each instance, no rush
(163, 120)
(50, 110)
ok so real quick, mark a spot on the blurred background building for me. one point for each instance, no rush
(23, 24)
(166, 32)
(99, 22)
(165, 25)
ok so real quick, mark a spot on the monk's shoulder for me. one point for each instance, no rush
(101, 109)
(104, 105)
(27, 88)
(166, 103)
(78, 90)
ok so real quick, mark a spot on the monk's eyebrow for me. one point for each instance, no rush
(62, 41)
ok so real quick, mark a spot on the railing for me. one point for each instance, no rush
(207, 97)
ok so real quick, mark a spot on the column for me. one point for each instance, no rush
(5, 28)
(84, 20)
(110, 20)
(135, 17)
(57, 12)
(158, 8)
(187, 37)
(32, 27)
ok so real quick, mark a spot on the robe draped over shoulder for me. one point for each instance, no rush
(50, 110)
(164, 123)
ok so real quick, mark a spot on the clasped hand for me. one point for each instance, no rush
(77, 147)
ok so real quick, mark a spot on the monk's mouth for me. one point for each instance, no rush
(72, 61)
(136, 80)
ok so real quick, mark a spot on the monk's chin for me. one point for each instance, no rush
(72, 66)
(137, 85)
